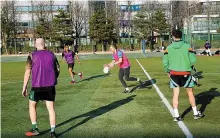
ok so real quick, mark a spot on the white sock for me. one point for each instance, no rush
(195, 112)
(34, 123)
(79, 73)
(138, 79)
(52, 128)
(73, 79)
(127, 89)
(176, 112)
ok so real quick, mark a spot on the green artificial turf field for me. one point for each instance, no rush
(96, 107)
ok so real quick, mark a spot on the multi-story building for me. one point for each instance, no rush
(204, 20)
(28, 12)
(127, 11)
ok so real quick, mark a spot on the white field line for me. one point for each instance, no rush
(166, 102)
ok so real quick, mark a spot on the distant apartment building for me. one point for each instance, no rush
(205, 17)
(27, 12)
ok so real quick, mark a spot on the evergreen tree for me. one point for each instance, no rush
(62, 28)
(43, 29)
(161, 22)
(141, 24)
(101, 28)
(145, 23)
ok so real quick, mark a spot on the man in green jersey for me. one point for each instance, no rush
(177, 61)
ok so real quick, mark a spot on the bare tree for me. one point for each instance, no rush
(113, 13)
(182, 13)
(145, 21)
(42, 17)
(8, 23)
(179, 13)
(79, 17)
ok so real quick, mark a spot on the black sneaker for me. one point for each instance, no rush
(33, 132)
(141, 83)
(53, 135)
(200, 115)
(177, 119)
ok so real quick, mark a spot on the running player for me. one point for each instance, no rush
(120, 59)
(69, 56)
(177, 61)
(44, 67)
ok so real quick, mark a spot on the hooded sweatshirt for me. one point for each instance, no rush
(179, 57)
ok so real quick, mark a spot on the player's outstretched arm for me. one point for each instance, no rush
(119, 61)
(166, 62)
(63, 58)
(57, 67)
(192, 56)
(27, 75)
(78, 59)
(111, 64)
(26, 79)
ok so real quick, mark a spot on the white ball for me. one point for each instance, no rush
(106, 70)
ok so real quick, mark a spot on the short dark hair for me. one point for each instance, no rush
(177, 33)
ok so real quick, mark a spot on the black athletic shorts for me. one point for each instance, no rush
(42, 93)
(181, 81)
(70, 65)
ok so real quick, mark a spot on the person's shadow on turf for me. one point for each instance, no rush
(92, 114)
(203, 98)
(145, 84)
(93, 77)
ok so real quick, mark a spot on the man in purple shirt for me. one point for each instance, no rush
(69, 56)
(44, 67)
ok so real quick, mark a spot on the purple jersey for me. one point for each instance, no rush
(44, 64)
(69, 56)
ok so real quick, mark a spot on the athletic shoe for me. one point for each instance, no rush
(53, 135)
(200, 115)
(73, 82)
(141, 83)
(81, 76)
(33, 132)
(139, 80)
(126, 91)
(177, 119)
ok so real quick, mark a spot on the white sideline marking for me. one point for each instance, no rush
(165, 101)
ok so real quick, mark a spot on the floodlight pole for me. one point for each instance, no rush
(129, 23)
(208, 10)
(104, 44)
(14, 27)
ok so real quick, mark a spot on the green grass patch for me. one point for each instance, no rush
(96, 107)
